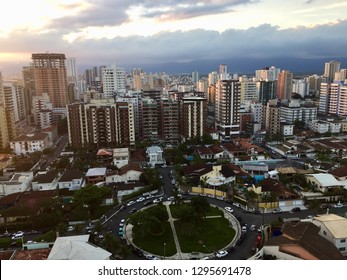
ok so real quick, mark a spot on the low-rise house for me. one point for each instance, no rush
(128, 173)
(121, 157)
(45, 181)
(219, 175)
(27, 144)
(301, 241)
(96, 175)
(210, 152)
(18, 182)
(71, 179)
(333, 228)
(340, 174)
(5, 160)
(77, 248)
(155, 155)
(232, 151)
(123, 189)
(193, 173)
(323, 182)
(104, 156)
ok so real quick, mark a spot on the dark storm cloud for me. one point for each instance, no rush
(114, 12)
(264, 41)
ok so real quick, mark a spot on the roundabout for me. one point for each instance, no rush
(212, 237)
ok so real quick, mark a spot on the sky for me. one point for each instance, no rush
(121, 32)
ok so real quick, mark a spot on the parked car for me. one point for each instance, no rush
(70, 228)
(152, 257)
(157, 200)
(236, 204)
(243, 229)
(277, 210)
(171, 198)
(229, 209)
(18, 235)
(296, 209)
(122, 222)
(130, 203)
(252, 227)
(221, 254)
(140, 199)
(338, 205)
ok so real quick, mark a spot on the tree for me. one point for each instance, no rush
(200, 205)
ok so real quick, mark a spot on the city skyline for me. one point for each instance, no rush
(152, 32)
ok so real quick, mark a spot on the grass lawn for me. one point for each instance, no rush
(155, 243)
(215, 211)
(215, 234)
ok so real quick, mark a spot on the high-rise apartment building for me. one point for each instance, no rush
(29, 89)
(102, 122)
(248, 90)
(15, 99)
(50, 77)
(150, 119)
(267, 74)
(113, 81)
(227, 109)
(337, 99)
(169, 120)
(266, 91)
(193, 114)
(273, 118)
(285, 85)
(330, 69)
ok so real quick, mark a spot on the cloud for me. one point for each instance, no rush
(115, 13)
(264, 41)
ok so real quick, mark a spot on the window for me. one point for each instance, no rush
(342, 249)
(324, 232)
(343, 240)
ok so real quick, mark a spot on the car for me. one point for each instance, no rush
(140, 199)
(132, 211)
(309, 217)
(164, 165)
(236, 204)
(210, 195)
(202, 194)
(296, 209)
(152, 257)
(18, 235)
(221, 254)
(130, 203)
(148, 202)
(121, 223)
(252, 227)
(89, 227)
(229, 209)
(243, 229)
(70, 228)
(338, 205)
(171, 198)
(157, 200)
(161, 176)
(277, 210)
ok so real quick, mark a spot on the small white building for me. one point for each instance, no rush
(323, 182)
(287, 129)
(27, 144)
(155, 155)
(18, 182)
(128, 173)
(72, 180)
(333, 228)
(45, 181)
(121, 157)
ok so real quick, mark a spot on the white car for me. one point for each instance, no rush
(252, 227)
(157, 200)
(171, 198)
(236, 204)
(18, 235)
(70, 228)
(140, 199)
(122, 222)
(130, 203)
(276, 211)
(229, 209)
(152, 257)
(244, 229)
(338, 205)
(221, 254)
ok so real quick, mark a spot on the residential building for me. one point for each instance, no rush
(16, 183)
(45, 181)
(77, 248)
(323, 182)
(267, 74)
(113, 81)
(338, 99)
(301, 87)
(121, 157)
(72, 180)
(266, 91)
(96, 175)
(126, 174)
(169, 120)
(50, 77)
(150, 120)
(101, 122)
(193, 115)
(30, 143)
(291, 112)
(285, 85)
(287, 129)
(155, 155)
(330, 69)
(248, 90)
(273, 118)
(227, 112)
(334, 229)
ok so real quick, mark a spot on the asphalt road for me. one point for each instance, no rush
(242, 251)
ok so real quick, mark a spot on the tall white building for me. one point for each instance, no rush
(114, 81)
(257, 112)
(212, 78)
(301, 87)
(223, 72)
(267, 74)
(248, 90)
(227, 109)
(330, 69)
(72, 75)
